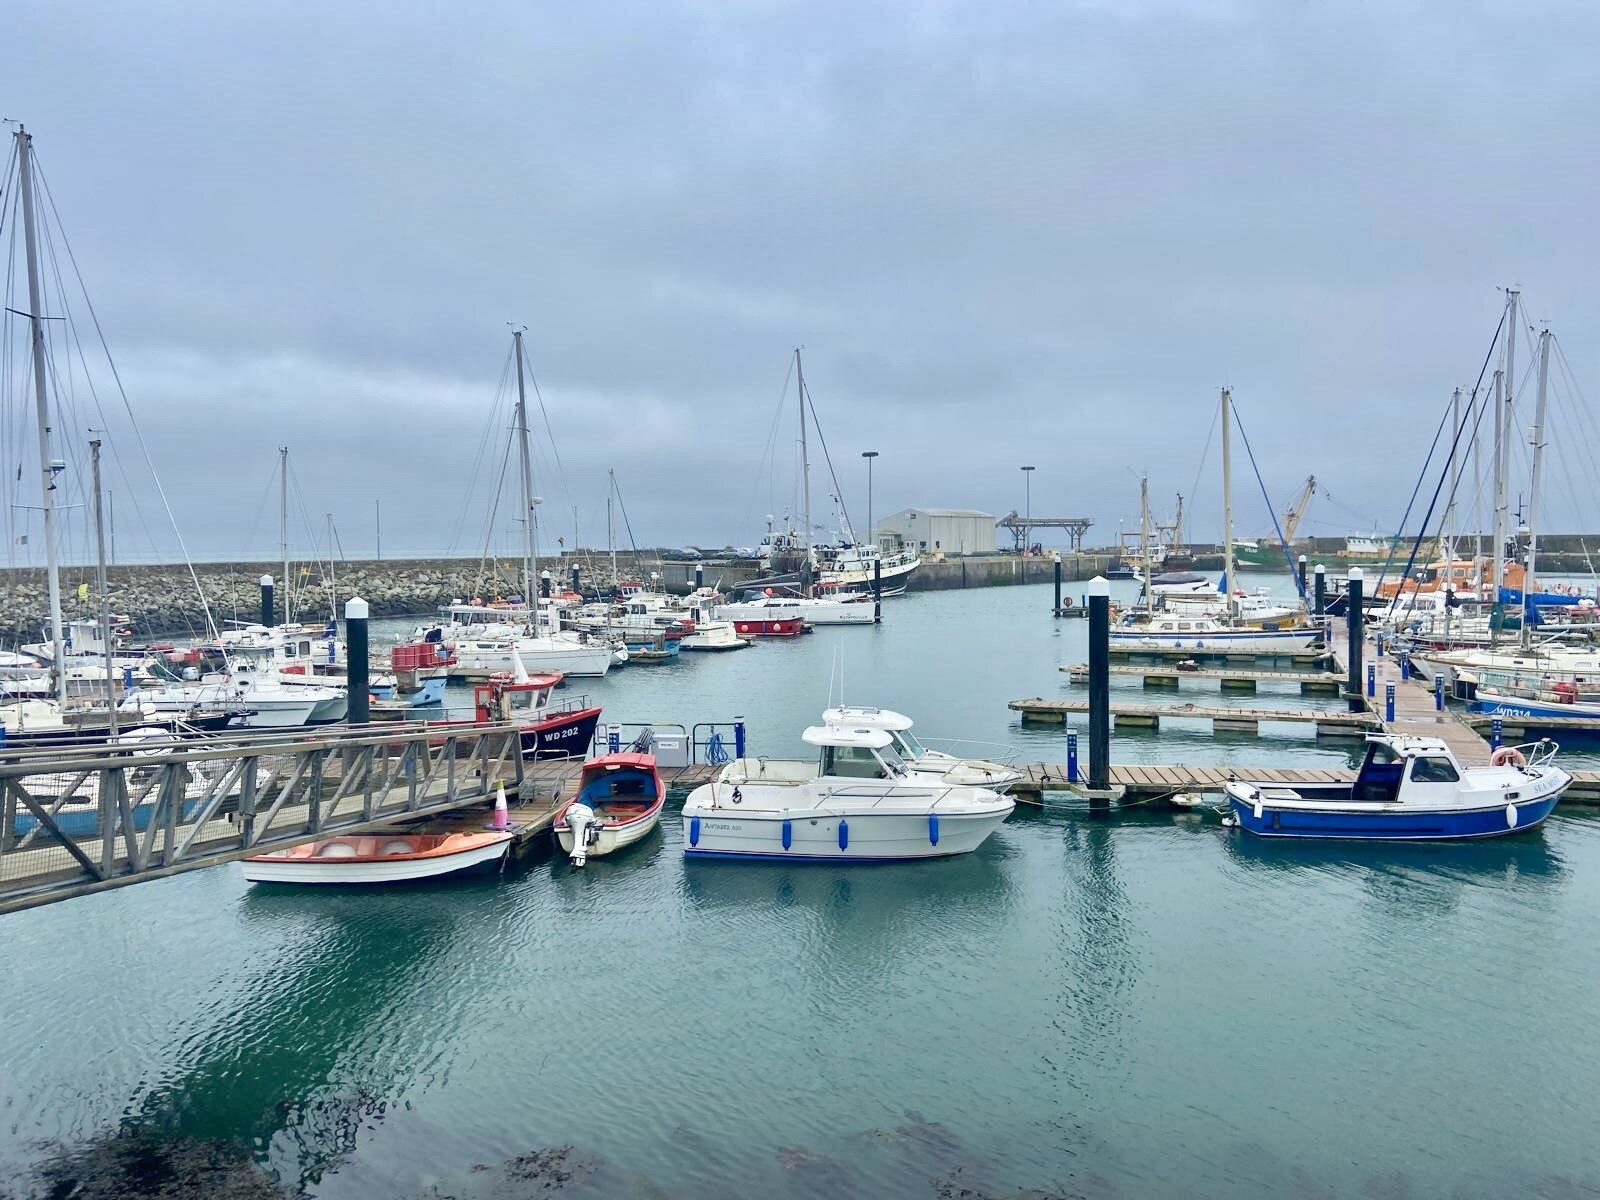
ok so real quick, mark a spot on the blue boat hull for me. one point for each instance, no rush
(1529, 709)
(1393, 824)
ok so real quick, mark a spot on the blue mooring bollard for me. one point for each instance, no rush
(1072, 756)
(1438, 693)
(1388, 700)
(1372, 680)
(1497, 729)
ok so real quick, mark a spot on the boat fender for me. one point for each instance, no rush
(788, 835)
(1258, 810)
(1511, 816)
(844, 835)
(933, 829)
(1508, 755)
(694, 831)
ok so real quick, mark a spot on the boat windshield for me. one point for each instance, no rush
(908, 746)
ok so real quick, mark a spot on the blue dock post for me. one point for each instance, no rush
(358, 708)
(1379, 640)
(267, 617)
(1388, 700)
(738, 737)
(1357, 632)
(1099, 688)
(1072, 756)
(1404, 660)
(1372, 680)
(614, 739)
(1438, 693)
(1497, 731)
(1321, 592)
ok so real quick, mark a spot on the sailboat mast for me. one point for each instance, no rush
(1533, 480)
(1497, 547)
(528, 549)
(805, 467)
(1144, 539)
(611, 523)
(1455, 478)
(105, 598)
(1510, 385)
(41, 400)
(1227, 504)
(283, 532)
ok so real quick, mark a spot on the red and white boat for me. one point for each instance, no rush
(380, 858)
(559, 729)
(619, 801)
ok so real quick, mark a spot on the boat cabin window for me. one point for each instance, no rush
(1184, 625)
(1434, 769)
(1379, 779)
(852, 762)
(908, 746)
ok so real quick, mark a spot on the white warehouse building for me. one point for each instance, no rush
(943, 530)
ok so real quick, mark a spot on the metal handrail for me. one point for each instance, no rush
(1007, 758)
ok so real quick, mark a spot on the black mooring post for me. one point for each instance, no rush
(1058, 585)
(268, 617)
(699, 576)
(1353, 684)
(544, 584)
(1321, 593)
(577, 574)
(877, 589)
(1099, 687)
(1302, 576)
(358, 707)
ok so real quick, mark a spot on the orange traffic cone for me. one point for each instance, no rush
(502, 815)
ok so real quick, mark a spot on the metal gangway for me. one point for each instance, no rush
(76, 819)
(1021, 528)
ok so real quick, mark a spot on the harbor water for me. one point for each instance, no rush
(1142, 1006)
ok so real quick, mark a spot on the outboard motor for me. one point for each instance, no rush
(585, 828)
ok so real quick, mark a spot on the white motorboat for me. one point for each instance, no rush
(265, 703)
(380, 858)
(484, 636)
(950, 768)
(1205, 634)
(858, 802)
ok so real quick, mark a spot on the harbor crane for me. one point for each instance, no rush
(1291, 519)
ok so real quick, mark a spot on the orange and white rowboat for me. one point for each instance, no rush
(380, 858)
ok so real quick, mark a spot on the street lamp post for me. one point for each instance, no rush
(1027, 513)
(872, 536)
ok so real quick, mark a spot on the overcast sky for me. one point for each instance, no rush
(1004, 234)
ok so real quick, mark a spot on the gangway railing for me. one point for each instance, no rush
(82, 819)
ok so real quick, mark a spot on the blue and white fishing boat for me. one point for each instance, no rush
(1560, 702)
(1410, 789)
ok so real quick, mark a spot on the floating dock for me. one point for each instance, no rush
(1235, 679)
(1328, 723)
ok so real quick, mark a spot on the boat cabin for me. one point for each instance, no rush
(1392, 763)
(504, 699)
(855, 753)
(896, 725)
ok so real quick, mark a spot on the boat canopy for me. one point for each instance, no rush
(860, 717)
(834, 735)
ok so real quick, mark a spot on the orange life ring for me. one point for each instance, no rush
(1508, 755)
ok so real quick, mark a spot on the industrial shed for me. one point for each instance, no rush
(943, 530)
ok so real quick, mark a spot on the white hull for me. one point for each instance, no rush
(612, 838)
(814, 835)
(391, 871)
(265, 712)
(827, 612)
(1246, 641)
(479, 660)
(714, 635)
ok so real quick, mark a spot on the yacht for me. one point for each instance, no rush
(858, 801)
(974, 772)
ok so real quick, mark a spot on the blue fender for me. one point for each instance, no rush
(933, 829)
(844, 835)
(788, 835)
(694, 831)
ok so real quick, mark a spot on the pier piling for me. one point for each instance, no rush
(1302, 577)
(359, 706)
(1357, 635)
(1058, 585)
(1099, 686)
(267, 614)
(1321, 593)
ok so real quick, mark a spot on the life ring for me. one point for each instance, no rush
(1508, 755)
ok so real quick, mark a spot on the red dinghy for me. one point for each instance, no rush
(619, 801)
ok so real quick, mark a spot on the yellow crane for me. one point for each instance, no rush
(1291, 519)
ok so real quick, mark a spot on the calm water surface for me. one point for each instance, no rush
(1143, 1007)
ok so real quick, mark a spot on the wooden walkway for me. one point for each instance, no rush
(1230, 679)
(1308, 658)
(1414, 710)
(1328, 722)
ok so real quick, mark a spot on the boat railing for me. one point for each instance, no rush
(908, 789)
(1541, 753)
(995, 752)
